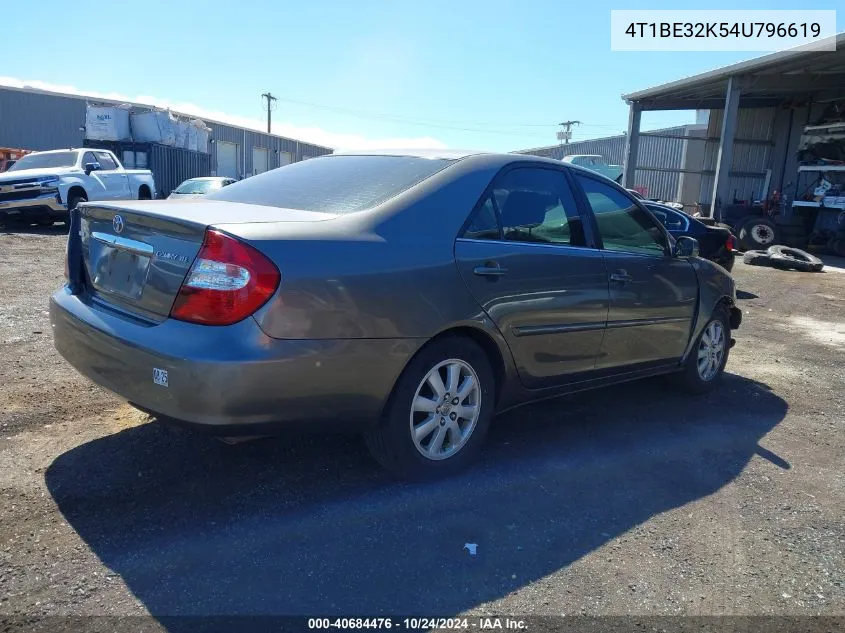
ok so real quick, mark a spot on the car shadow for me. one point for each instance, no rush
(311, 526)
(742, 294)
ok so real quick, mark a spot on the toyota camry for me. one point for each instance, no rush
(408, 296)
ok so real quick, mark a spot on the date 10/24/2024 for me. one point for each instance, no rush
(419, 624)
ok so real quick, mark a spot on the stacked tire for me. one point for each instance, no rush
(784, 258)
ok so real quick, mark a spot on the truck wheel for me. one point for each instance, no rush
(436, 419)
(72, 203)
(758, 233)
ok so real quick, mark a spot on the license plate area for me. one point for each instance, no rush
(119, 266)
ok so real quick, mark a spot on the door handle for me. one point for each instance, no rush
(490, 271)
(621, 277)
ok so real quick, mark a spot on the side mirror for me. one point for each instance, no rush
(686, 247)
(89, 167)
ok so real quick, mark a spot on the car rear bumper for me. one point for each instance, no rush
(234, 379)
(42, 204)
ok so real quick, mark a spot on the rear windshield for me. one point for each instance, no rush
(333, 184)
(199, 186)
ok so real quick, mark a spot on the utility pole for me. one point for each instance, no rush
(269, 98)
(566, 133)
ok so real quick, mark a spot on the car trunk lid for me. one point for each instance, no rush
(135, 255)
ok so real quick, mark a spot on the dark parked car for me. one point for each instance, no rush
(408, 296)
(715, 242)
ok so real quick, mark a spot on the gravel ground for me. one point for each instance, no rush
(630, 500)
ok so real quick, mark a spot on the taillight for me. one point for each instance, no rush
(729, 243)
(228, 281)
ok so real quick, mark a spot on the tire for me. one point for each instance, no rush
(72, 203)
(756, 258)
(692, 379)
(758, 233)
(143, 194)
(837, 245)
(785, 257)
(392, 443)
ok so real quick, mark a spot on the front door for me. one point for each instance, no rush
(653, 295)
(116, 182)
(526, 259)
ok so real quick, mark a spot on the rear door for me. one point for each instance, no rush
(115, 181)
(526, 258)
(653, 295)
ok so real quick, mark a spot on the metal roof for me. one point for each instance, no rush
(792, 74)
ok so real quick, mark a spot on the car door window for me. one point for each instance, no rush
(88, 157)
(672, 220)
(106, 161)
(529, 204)
(623, 226)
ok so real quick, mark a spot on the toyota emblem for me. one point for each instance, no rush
(117, 223)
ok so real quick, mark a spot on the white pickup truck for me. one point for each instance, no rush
(596, 163)
(43, 187)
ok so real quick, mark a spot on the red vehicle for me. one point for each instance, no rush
(9, 156)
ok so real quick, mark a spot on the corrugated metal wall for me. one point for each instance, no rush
(170, 165)
(750, 161)
(250, 139)
(37, 121)
(663, 155)
(43, 120)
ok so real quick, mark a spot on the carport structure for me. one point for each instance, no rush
(758, 109)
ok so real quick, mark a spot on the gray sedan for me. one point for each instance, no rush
(405, 295)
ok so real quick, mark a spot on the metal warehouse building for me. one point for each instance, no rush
(759, 110)
(664, 157)
(38, 120)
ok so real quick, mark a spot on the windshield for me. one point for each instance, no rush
(333, 184)
(199, 186)
(45, 161)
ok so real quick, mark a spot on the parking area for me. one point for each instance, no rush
(628, 500)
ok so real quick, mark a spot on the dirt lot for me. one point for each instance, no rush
(628, 500)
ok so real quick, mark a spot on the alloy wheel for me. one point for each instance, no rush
(445, 409)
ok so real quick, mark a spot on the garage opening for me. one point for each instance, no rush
(227, 159)
(259, 160)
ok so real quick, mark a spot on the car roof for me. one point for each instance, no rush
(209, 178)
(453, 154)
(67, 149)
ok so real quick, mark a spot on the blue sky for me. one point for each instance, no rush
(487, 74)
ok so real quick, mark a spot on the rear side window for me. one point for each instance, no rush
(333, 184)
(529, 204)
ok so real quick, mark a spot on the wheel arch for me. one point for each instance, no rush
(491, 343)
(76, 190)
(145, 188)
